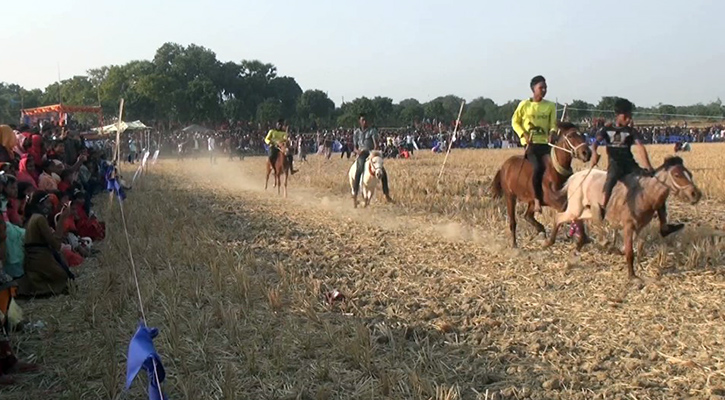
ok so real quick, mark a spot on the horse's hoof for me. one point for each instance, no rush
(547, 244)
(636, 282)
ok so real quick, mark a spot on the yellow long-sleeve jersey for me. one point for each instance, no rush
(542, 115)
(275, 136)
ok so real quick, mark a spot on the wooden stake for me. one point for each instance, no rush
(450, 144)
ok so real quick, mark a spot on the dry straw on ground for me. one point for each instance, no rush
(437, 306)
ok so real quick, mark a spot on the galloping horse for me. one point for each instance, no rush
(372, 173)
(632, 205)
(279, 167)
(513, 180)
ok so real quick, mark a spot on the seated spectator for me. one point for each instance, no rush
(27, 172)
(9, 200)
(8, 361)
(88, 226)
(66, 180)
(25, 191)
(8, 141)
(46, 273)
(49, 178)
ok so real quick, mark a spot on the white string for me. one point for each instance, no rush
(649, 113)
(138, 290)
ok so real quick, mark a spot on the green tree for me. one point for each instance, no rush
(288, 92)
(475, 112)
(666, 111)
(411, 111)
(606, 106)
(579, 110)
(269, 111)
(383, 111)
(435, 110)
(315, 107)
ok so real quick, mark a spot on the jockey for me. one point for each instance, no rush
(275, 137)
(365, 140)
(619, 140)
(535, 122)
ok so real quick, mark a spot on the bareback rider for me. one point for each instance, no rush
(535, 122)
(619, 140)
(275, 137)
(365, 140)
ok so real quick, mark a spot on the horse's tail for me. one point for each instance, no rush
(496, 187)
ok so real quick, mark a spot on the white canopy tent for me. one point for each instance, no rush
(125, 126)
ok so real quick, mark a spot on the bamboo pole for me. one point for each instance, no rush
(450, 143)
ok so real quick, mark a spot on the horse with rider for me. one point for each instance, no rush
(538, 176)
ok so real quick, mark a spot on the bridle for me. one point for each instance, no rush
(572, 150)
(373, 169)
(677, 185)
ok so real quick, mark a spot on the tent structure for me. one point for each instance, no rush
(194, 128)
(30, 114)
(125, 126)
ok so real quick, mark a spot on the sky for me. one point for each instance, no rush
(649, 51)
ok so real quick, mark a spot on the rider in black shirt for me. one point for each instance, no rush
(619, 140)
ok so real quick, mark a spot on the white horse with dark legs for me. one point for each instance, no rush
(633, 203)
(372, 174)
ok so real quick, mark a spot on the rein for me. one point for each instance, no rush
(565, 172)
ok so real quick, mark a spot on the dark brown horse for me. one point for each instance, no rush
(514, 180)
(280, 166)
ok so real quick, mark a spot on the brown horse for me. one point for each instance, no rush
(513, 180)
(280, 166)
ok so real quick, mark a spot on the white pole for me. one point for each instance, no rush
(118, 134)
(450, 144)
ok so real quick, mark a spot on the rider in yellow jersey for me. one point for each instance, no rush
(535, 122)
(274, 138)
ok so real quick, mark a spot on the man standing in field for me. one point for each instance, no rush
(366, 140)
(211, 142)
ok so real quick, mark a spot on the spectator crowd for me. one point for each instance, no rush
(48, 177)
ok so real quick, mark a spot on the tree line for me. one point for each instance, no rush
(183, 85)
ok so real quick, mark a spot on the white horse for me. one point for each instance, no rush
(633, 204)
(372, 173)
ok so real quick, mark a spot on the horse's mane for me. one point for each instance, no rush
(670, 161)
(565, 126)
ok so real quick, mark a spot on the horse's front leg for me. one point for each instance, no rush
(583, 237)
(559, 219)
(629, 251)
(286, 176)
(369, 196)
(511, 210)
(266, 182)
(531, 219)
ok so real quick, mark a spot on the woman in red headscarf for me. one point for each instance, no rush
(26, 170)
(36, 150)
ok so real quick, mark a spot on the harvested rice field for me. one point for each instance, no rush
(434, 303)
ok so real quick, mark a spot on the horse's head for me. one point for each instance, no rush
(376, 164)
(678, 178)
(571, 141)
